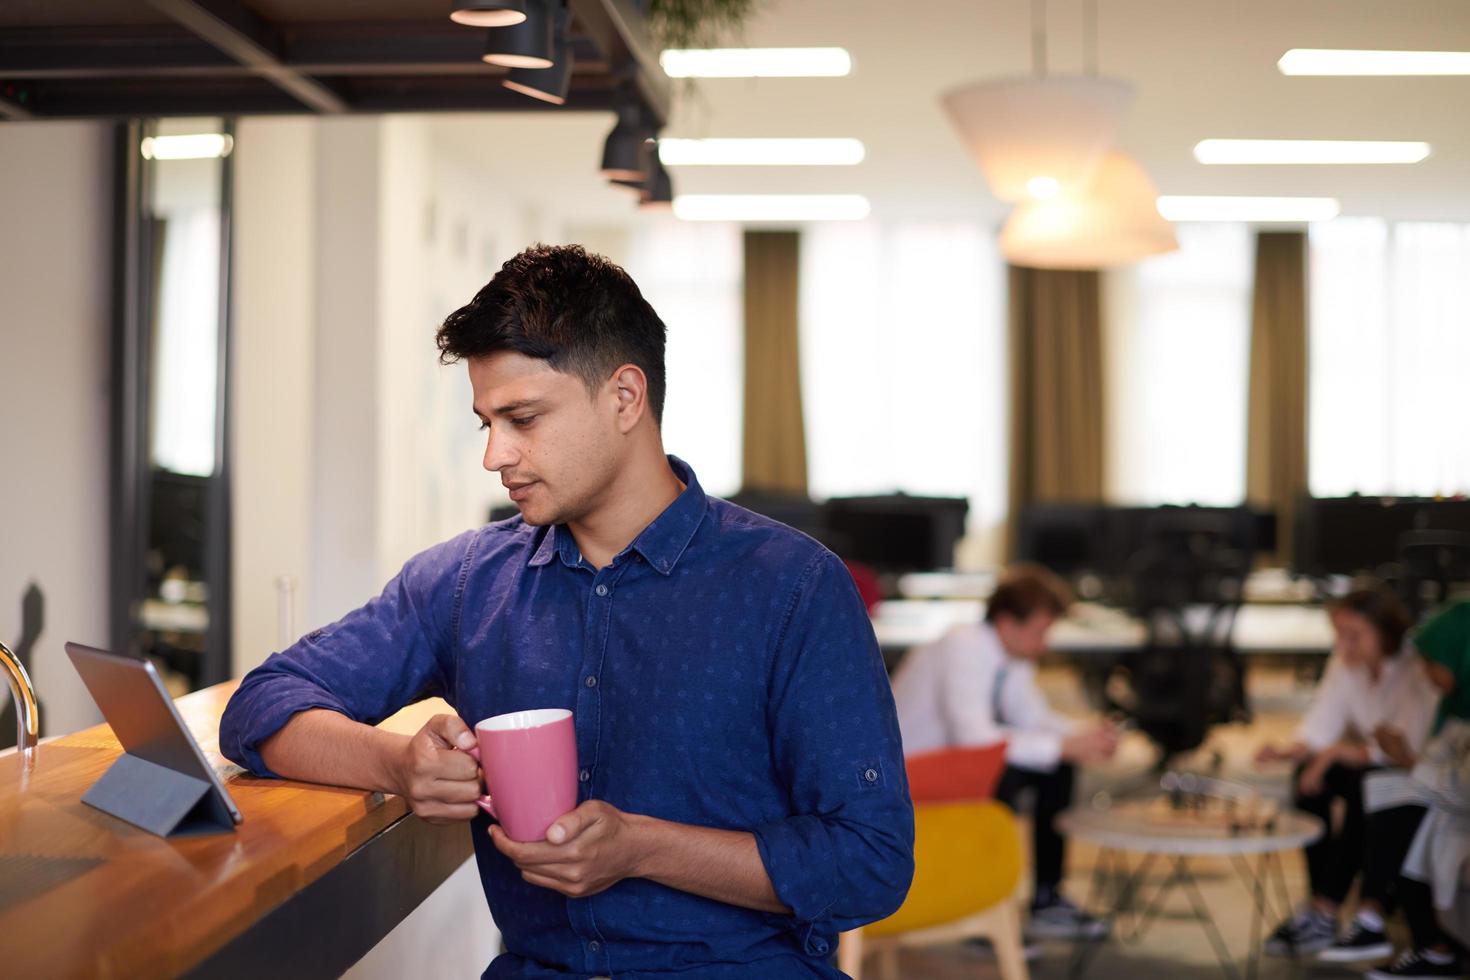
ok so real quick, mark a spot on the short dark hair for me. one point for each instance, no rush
(1024, 589)
(574, 309)
(1382, 608)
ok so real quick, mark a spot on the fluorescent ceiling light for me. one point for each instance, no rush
(191, 146)
(761, 152)
(771, 207)
(1309, 151)
(755, 62)
(1264, 209)
(1341, 61)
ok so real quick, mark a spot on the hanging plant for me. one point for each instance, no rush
(696, 23)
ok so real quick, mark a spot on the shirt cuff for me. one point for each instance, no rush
(787, 847)
(1034, 750)
(244, 747)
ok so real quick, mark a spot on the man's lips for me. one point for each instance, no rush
(518, 491)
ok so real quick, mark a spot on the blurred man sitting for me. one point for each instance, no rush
(976, 685)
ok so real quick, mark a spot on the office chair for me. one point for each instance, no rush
(1186, 584)
(1431, 563)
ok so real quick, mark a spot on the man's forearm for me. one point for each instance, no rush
(324, 746)
(724, 865)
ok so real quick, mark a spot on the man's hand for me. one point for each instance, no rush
(1394, 745)
(440, 782)
(585, 852)
(1093, 745)
(1296, 752)
(1310, 782)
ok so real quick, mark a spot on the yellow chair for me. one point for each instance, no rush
(967, 870)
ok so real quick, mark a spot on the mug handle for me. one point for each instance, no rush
(485, 802)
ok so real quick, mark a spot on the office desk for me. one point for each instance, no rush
(1092, 629)
(312, 879)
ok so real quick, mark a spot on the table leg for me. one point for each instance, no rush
(1206, 921)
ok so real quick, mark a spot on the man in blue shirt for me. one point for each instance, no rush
(742, 795)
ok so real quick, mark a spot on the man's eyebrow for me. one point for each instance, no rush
(510, 407)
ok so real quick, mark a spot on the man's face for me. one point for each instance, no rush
(555, 446)
(1024, 637)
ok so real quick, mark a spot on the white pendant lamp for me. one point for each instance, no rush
(1114, 221)
(1055, 128)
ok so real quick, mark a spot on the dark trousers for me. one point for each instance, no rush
(1337, 856)
(1053, 795)
(1390, 833)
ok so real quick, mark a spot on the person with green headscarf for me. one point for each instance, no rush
(1422, 822)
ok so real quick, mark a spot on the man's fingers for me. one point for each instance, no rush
(450, 731)
(435, 812)
(456, 790)
(569, 825)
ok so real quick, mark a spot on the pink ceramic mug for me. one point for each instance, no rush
(529, 759)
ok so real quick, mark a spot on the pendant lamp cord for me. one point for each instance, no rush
(1038, 38)
(1089, 35)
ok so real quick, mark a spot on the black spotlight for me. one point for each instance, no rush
(547, 84)
(488, 13)
(623, 154)
(525, 45)
(658, 189)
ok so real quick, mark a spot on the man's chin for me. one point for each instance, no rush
(537, 517)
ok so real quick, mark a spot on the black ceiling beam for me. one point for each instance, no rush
(618, 28)
(35, 52)
(311, 49)
(248, 96)
(239, 33)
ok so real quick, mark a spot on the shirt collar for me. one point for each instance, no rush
(661, 543)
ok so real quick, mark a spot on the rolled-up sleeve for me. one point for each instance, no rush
(844, 857)
(393, 651)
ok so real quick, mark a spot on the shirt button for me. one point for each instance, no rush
(871, 775)
(591, 680)
(594, 946)
(584, 775)
(602, 590)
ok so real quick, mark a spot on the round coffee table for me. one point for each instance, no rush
(1154, 834)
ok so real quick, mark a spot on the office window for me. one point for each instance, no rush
(1390, 342)
(903, 362)
(1178, 371)
(692, 274)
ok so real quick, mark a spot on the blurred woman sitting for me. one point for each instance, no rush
(1372, 709)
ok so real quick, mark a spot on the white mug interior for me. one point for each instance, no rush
(520, 720)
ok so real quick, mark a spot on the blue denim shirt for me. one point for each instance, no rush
(722, 672)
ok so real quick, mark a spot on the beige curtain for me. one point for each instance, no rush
(1056, 449)
(775, 438)
(1276, 455)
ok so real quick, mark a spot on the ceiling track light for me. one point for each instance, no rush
(624, 153)
(488, 13)
(547, 84)
(528, 44)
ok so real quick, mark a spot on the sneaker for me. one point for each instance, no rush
(1357, 944)
(1060, 919)
(1412, 964)
(1309, 931)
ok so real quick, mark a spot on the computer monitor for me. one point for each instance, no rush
(897, 532)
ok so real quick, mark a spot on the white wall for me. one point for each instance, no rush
(55, 313)
(272, 366)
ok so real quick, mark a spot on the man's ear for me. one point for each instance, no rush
(630, 389)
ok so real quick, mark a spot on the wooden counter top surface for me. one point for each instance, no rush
(83, 894)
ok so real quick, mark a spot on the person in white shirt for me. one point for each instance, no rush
(976, 685)
(1372, 709)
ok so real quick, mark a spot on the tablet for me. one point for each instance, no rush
(144, 719)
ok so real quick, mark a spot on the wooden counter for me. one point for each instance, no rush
(306, 885)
